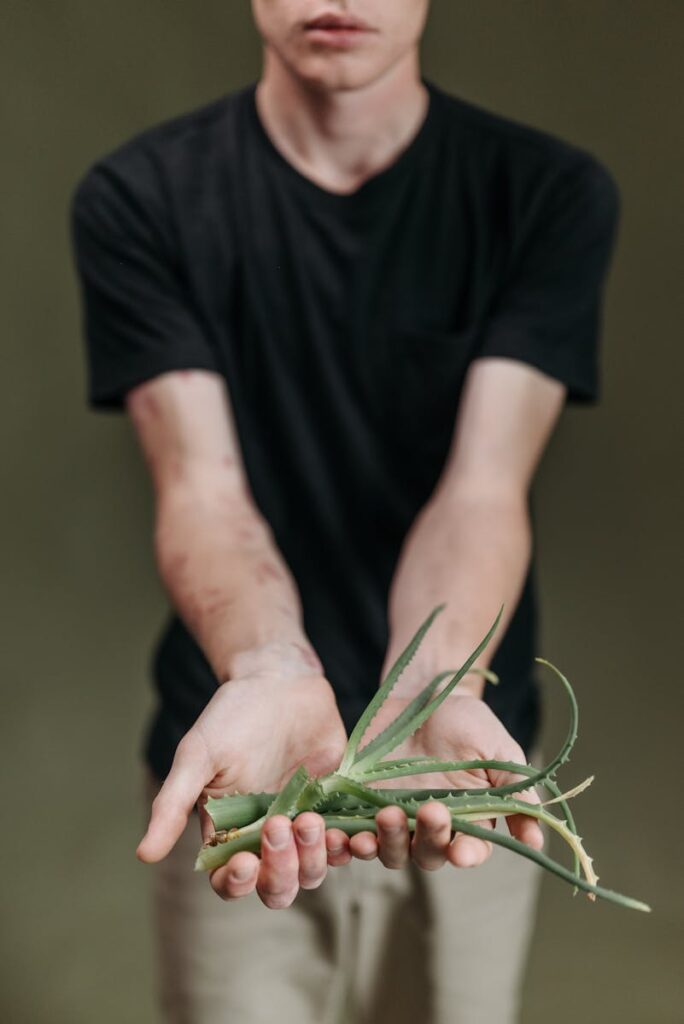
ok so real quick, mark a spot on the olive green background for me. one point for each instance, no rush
(81, 599)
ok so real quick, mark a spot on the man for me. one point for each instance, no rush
(343, 311)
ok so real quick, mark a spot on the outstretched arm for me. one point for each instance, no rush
(273, 709)
(471, 544)
(470, 548)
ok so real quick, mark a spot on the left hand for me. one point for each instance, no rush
(463, 729)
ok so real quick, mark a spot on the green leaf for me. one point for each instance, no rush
(364, 762)
(211, 857)
(403, 717)
(563, 754)
(240, 809)
(508, 841)
(384, 690)
(286, 800)
(422, 765)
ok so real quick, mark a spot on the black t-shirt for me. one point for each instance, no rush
(343, 325)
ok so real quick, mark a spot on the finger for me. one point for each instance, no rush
(513, 752)
(277, 884)
(236, 878)
(526, 829)
(468, 851)
(309, 835)
(393, 837)
(337, 843)
(364, 846)
(432, 836)
(171, 808)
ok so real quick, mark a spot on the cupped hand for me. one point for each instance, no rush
(463, 729)
(250, 738)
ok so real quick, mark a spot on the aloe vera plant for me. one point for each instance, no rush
(349, 799)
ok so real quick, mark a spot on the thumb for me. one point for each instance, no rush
(189, 774)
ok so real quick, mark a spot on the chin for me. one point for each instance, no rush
(337, 73)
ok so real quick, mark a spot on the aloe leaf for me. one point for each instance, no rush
(364, 762)
(384, 690)
(422, 765)
(416, 766)
(234, 811)
(238, 810)
(355, 823)
(402, 718)
(563, 754)
(215, 854)
(510, 843)
(297, 791)
(286, 800)
(570, 793)
(554, 789)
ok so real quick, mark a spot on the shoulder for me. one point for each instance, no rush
(520, 158)
(140, 172)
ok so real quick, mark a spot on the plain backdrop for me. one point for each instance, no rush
(82, 603)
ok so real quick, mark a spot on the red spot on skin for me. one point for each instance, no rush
(266, 571)
(207, 601)
(228, 460)
(187, 374)
(176, 469)
(220, 604)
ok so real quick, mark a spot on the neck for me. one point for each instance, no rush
(341, 138)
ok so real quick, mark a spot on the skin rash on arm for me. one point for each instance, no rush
(215, 552)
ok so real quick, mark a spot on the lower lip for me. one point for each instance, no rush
(336, 38)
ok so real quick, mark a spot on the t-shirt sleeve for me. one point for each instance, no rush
(548, 311)
(138, 318)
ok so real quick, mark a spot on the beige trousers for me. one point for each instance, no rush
(369, 946)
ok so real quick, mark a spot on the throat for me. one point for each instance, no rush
(335, 141)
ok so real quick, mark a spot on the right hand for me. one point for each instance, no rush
(250, 738)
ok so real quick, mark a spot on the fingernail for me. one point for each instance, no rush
(335, 850)
(241, 874)
(309, 835)
(278, 838)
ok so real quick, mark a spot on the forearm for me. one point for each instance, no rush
(221, 568)
(472, 552)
